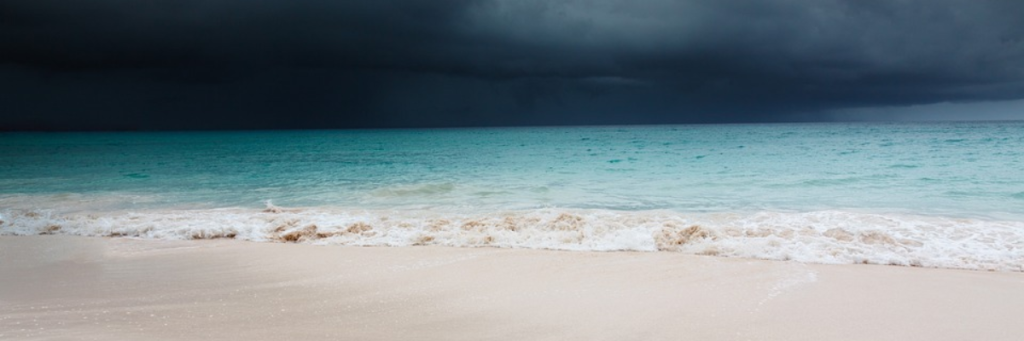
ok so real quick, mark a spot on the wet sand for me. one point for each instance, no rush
(76, 288)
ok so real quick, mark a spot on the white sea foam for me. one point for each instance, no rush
(833, 237)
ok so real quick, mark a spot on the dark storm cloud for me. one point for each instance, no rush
(263, 64)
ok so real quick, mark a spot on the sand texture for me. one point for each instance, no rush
(77, 288)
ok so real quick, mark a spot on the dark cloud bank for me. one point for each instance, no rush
(245, 64)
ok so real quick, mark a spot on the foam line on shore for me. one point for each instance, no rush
(831, 237)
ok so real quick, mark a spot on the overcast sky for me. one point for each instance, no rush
(264, 64)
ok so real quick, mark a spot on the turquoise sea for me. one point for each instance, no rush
(922, 194)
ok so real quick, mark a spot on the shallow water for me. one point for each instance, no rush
(931, 194)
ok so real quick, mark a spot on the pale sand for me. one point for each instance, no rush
(71, 288)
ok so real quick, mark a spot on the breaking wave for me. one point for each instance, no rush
(832, 237)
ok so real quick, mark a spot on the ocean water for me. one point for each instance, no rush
(916, 194)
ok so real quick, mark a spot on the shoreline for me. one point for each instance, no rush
(823, 237)
(55, 287)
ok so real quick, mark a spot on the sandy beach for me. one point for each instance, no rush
(77, 288)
